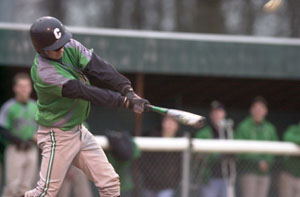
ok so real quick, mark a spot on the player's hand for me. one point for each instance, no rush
(263, 166)
(25, 145)
(134, 102)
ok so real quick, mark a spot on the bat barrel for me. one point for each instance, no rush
(183, 117)
(187, 118)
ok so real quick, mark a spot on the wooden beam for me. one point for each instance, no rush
(139, 89)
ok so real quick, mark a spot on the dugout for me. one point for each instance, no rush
(186, 71)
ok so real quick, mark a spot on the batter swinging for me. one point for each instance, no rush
(61, 72)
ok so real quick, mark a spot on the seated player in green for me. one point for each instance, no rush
(289, 178)
(18, 127)
(255, 178)
(61, 72)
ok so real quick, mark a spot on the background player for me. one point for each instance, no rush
(75, 183)
(255, 179)
(61, 72)
(18, 127)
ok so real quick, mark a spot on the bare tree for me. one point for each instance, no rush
(137, 17)
(208, 17)
(294, 13)
(56, 9)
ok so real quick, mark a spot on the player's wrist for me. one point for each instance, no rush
(126, 90)
(136, 104)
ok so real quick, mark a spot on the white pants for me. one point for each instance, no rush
(78, 181)
(21, 170)
(289, 186)
(255, 185)
(78, 147)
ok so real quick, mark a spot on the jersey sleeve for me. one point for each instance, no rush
(95, 67)
(5, 119)
(80, 54)
(292, 134)
(98, 96)
(103, 71)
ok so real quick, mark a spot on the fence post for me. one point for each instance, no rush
(186, 161)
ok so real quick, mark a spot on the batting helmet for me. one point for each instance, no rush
(48, 34)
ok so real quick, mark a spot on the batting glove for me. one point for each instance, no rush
(134, 102)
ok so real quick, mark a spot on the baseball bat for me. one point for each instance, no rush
(182, 117)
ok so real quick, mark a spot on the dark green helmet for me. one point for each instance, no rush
(48, 34)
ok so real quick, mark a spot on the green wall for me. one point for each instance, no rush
(171, 53)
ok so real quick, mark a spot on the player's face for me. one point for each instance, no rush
(259, 111)
(56, 55)
(217, 115)
(22, 90)
(169, 127)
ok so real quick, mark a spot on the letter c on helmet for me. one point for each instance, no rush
(57, 33)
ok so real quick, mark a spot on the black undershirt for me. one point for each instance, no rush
(103, 73)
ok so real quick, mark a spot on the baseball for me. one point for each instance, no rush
(272, 6)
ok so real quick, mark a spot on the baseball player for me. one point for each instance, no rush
(61, 72)
(18, 127)
(75, 183)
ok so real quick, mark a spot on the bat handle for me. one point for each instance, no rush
(148, 107)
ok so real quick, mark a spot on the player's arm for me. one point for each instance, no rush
(98, 69)
(99, 96)
(103, 71)
(95, 67)
(6, 134)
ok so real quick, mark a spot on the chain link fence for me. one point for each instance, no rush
(161, 172)
(214, 174)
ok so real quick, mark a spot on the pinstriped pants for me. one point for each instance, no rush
(60, 149)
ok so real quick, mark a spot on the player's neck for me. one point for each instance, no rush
(21, 100)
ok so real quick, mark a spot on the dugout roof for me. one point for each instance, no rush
(170, 53)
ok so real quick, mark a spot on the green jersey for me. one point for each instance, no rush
(292, 163)
(48, 76)
(249, 130)
(18, 118)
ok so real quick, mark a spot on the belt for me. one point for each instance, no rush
(74, 129)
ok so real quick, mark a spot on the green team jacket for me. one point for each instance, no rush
(124, 169)
(292, 163)
(209, 162)
(248, 130)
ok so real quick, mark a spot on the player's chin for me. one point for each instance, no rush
(59, 56)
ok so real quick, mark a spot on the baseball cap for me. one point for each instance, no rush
(216, 105)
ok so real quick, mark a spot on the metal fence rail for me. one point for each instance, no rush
(209, 146)
(162, 158)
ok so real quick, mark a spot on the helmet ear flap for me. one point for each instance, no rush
(43, 53)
